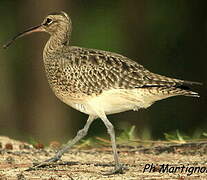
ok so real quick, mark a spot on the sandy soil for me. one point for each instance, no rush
(82, 164)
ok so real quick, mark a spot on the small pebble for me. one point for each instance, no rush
(54, 145)
(8, 146)
(39, 146)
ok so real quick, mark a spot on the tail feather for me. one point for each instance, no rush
(190, 93)
(172, 85)
(187, 89)
(171, 81)
(191, 83)
(175, 91)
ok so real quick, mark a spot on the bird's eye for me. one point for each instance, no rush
(48, 21)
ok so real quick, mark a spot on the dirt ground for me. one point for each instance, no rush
(82, 164)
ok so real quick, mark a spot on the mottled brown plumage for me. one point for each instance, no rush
(98, 82)
(92, 71)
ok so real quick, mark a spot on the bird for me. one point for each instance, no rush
(97, 82)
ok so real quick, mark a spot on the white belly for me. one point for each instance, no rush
(113, 101)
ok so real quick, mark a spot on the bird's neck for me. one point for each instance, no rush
(57, 41)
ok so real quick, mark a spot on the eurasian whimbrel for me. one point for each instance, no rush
(98, 83)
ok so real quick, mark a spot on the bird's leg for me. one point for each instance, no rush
(81, 133)
(110, 129)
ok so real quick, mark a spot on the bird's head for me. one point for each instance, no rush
(53, 23)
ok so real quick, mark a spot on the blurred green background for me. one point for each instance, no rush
(167, 37)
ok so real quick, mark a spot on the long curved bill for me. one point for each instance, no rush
(38, 28)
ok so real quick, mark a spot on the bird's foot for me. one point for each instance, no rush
(119, 169)
(43, 164)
